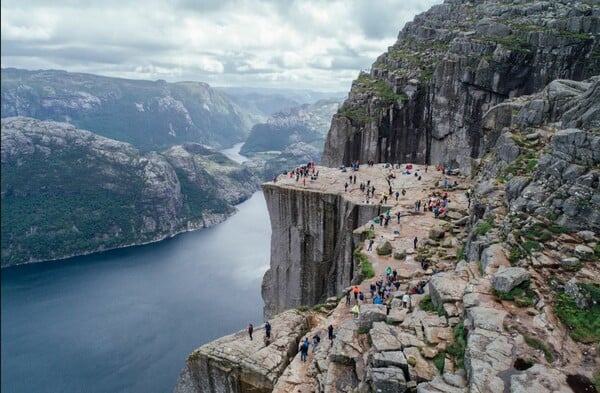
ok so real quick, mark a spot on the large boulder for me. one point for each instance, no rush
(384, 337)
(446, 287)
(388, 380)
(390, 359)
(539, 378)
(506, 278)
(370, 313)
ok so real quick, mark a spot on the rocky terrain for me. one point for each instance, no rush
(151, 115)
(66, 191)
(290, 136)
(424, 99)
(510, 298)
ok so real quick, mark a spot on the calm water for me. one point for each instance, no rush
(125, 320)
(234, 153)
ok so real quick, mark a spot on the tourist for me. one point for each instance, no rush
(370, 247)
(356, 290)
(415, 243)
(330, 332)
(250, 331)
(405, 300)
(304, 349)
(268, 330)
(348, 297)
(398, 214)
(316, 341)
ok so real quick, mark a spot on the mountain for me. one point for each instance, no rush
(151, 115)
(290, 137)
(268, 101)
(424, 99)
(66, 191)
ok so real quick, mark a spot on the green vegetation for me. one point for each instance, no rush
(457, 348)
(522, 295)
(537, 344)
(596, 379)
(400, 255)
(385, 249)
(379, 88)
(515, 255)
(584, 325)
(485, 226)
(515, 42)
(439, 361)
(531, 246)
(426, 304)
(302, 308)
(460, 253)
(321, 306)
(363, 330)
(368, 234)
(366, 269)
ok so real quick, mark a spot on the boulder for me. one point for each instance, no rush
(436, 233)
(384, 337)
(345, 347)
(397, 315)
(436, 334)
(370, 313)
(539, 378)
(506, 279)
(486, 318)
(388, 380)
(446, 287)
(390, 359)
(569, 263)
(438, 385)
(587, 236)
(583, 252)
(419, 369)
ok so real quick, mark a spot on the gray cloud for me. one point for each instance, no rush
(297, 43)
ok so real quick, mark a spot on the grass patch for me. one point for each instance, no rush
(426, 304)
(369, 234)
(321, 306)
(363, 330)
(457, 348)
(522, 295)
(515, 255)
(460, 253)
(439, 361)
(385, 249)
(537, 344)
(484, 227)
(366, 269)
(584, 325)
(302, 308)
(531, 246)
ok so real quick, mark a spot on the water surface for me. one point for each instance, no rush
(125, 320)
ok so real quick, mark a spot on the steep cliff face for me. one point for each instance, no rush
(151, 115)
(424, 99)
(311, 245)
(67, 191)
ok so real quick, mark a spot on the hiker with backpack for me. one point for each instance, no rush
(304, 349)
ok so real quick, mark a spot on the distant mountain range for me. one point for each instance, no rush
(67, 191)
(91, 163)
(290, 137)
(151, 115)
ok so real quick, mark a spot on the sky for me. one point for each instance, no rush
(304, 44)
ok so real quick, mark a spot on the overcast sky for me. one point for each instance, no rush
(321, 45)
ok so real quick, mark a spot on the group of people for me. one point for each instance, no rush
(304, 346)
(267, 331)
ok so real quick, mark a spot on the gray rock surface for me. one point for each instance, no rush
(506, 278)
(233, 361)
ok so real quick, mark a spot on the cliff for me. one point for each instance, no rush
(424, 99)
(151, 115)
(510, 302)
(311, 244)
(68, 192)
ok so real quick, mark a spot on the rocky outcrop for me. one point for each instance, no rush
(424, 99)
(151, 115)
(312, 245)
(235, 363)
(67, 191)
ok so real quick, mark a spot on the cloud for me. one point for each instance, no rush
(300, 43)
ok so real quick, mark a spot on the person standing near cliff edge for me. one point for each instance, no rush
(250, 330)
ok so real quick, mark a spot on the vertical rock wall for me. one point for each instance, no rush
(424, 99)
(311, 246)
